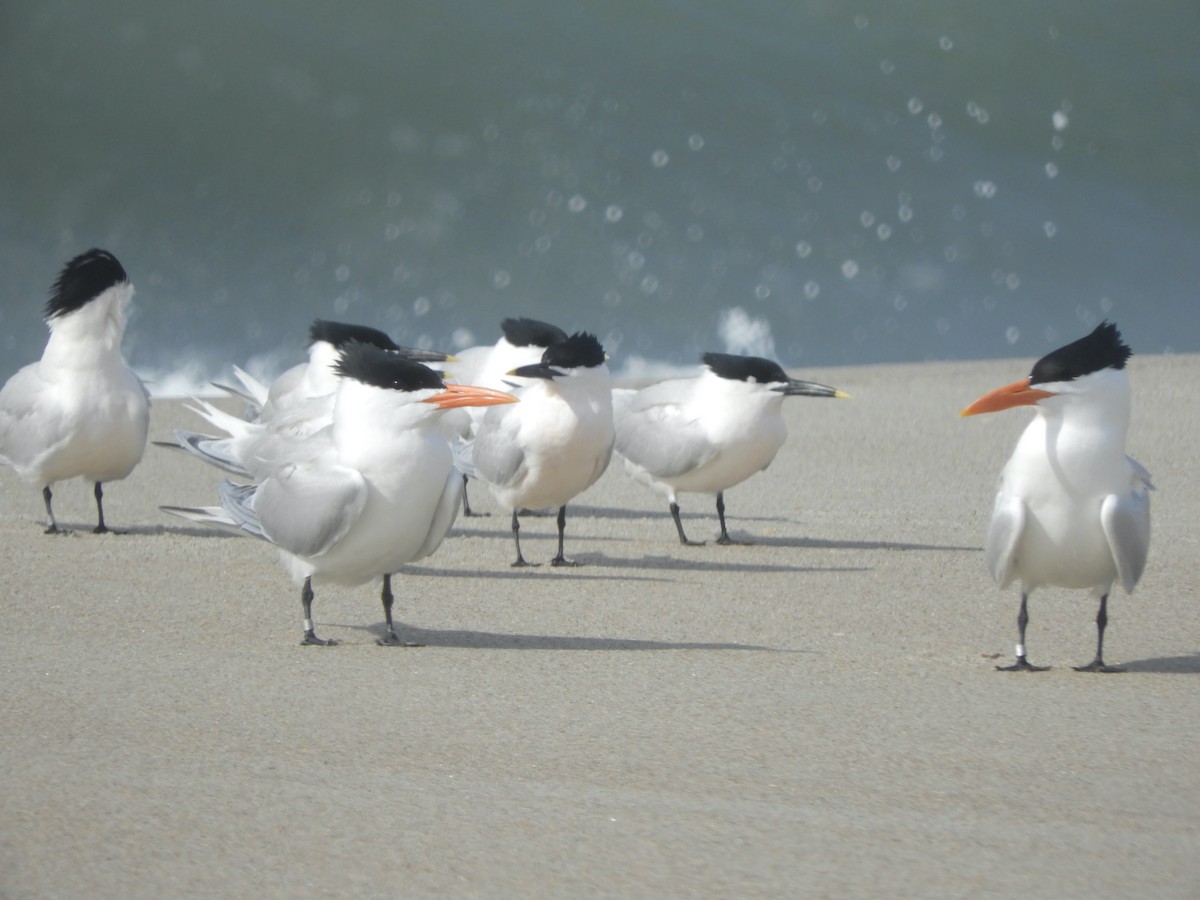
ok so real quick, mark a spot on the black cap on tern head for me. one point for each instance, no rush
(339, 333)
(580, 350)
(745, 368)
(531, 333)
(1102, 349)
(380, 368)
(84, 278)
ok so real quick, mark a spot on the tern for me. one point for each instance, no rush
(522, 342)
(710, 432)
(1072, 509)
(556, 442)
(79, 411)
(318, 376)
(298, 404)
(374, 491)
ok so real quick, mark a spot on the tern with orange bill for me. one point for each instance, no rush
(375, 490)
(1072, 509)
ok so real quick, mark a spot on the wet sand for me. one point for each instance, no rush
(817, 714)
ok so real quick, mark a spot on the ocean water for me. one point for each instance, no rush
(823, 182)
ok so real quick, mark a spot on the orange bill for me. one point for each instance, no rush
(458, 395)
(1019, 393)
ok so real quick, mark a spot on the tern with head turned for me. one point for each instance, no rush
(522, 342)
(79, 412)
(318, 376)
(373, 491)
(707, 433)
(298, 404)
(555, 443)
(1072, 509)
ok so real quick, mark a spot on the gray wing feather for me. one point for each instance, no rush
(654, 431)
(1126, 523)
(497, 457)
(1004, 533)
(308, 509)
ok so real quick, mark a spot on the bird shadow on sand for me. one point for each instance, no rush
(488, 640)
(683, 563)
(824, 544)
(1189, 664)
(587, 569)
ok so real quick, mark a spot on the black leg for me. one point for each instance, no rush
(561, 559)
(1097, 664)
(467, 511)
(516, 530)
(679, 527)
(724, 539)
(100, 528)
(387, 599)
(47, 496)
(306, 599)
(1022, 664)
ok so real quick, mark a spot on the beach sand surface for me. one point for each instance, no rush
(816, 714)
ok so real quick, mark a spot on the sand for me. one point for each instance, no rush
(817, 714)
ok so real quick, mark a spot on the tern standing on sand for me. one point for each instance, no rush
(708, 433)
(1072, 510)
(371, 493)
(556, 442)
(79, 411)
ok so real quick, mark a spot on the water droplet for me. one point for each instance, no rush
(501, 279)
(849, 269)
(867, 218)
(577, 204)
(659, 158)
(915, 105)
(985, 189)
(1060, 120)
(1012, 334)
(815, 184)
(695, 233)
(884, 231)
(695, 142)
(861, 21)
(942, 326)
(1012, 281)
(391, 232)
(342, 274)
(1051, 229)
(811, 290)
(886, 66)
(900, 302)
(542, 244)
(1051, 170)
(803, 249)
(420, 306)
(893, 163)
(649, 284)
(945, 42)
(613, 213)
(904, 214)
(762, 292)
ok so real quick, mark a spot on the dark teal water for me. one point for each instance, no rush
(823, 182)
